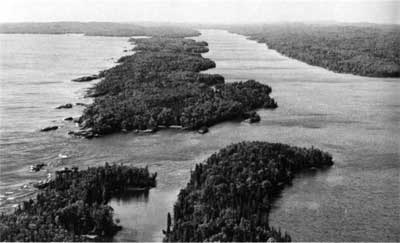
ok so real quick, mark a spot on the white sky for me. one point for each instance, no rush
(201, 11)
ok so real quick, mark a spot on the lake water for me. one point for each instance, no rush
(356, 119)
(35, 77)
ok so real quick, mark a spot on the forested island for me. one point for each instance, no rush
(366, 50)
(97, 29)
(161, 86)
(229, 196)
(73, 206)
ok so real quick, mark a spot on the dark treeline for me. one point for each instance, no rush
(73, 205)
(160, 85)
(229, 196)
(97, 29)
(366, 50)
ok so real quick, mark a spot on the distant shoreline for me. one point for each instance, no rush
(96, 29)
(368, 51)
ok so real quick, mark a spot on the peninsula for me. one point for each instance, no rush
(73, 206)
(161, 86)
(362, 49)
(229, 196)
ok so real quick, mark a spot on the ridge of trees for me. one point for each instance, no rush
(229, 196)
(161, 85)
(74, 204)
(366, 50)
(98, 29)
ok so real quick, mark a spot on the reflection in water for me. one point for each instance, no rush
(138, 213)
(132, 195)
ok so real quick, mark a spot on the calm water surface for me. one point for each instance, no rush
(35, 77)
(356, 119)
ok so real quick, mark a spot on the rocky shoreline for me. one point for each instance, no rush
(161, 86)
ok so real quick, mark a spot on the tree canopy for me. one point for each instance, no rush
(369, 50)
(161, 85)
(73, 204)
(229, 196)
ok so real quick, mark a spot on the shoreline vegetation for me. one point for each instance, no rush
(73, 205)
(365, 50)
(229, 196)
(160, 85)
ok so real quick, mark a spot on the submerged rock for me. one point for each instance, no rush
(37, 167)
(203, 130)
(86, 133)
(42, 183)
(150, 130)
(86, 78)
(68, 118)
(50, 128)
(255, 118)
(66, 106)
(251, 117)
(81, 104)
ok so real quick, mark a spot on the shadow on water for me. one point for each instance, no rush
(311, 173)
(142, 215)
(134, 195)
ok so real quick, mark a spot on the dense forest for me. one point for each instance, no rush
(73, 206)
(97, 29)
(366, 50)
(229, 196)
(161, 85)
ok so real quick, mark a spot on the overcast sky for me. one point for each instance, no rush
(203, 11)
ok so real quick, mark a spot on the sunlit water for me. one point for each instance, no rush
(356, 119)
